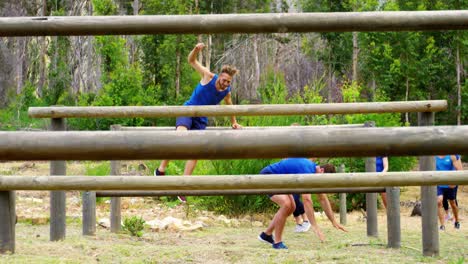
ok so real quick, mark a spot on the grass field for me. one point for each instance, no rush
(218, 243)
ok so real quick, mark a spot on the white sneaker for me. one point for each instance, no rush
(301, 228)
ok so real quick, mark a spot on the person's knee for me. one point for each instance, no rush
(289, 207)
(439, 201)
(306, 199)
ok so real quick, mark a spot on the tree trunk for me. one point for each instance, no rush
(199, 37)
(131, 40)
(406, 99)
(42, 53)
(459, 93)
(20, 53)
(330, 74)
(253, 92)
(177, 74)
(90, 59)
(208, 53)
(373, 89)
(355, 56)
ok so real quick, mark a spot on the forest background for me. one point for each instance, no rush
(274, 69)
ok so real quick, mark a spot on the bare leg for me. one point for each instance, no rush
(440, 212)
(384, 199)
(189, 167)
(454, 206)
(287, 206)
(162, 167)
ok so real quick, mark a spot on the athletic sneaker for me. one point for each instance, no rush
(448, 217)
(266, 238)
(457, 225)
(298, 228)
(280, 245)
(301, 228)
(442, 228)
(159, 173)
(306, 226)
(182, 198)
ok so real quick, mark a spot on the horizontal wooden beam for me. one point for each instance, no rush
(236, 192)
(156, 128)
(237, 110)
(233, 182)
(235, 23)
(233, 144)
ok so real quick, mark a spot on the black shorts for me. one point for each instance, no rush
(191, 123)
(449, 193)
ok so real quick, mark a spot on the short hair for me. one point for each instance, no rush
(230, 70)
(328, 168)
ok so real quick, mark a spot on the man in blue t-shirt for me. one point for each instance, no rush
(286, 201)
(211, 90)
(447, 163)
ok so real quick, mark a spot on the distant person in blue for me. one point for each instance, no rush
(211, 90)
(381, 165)
(273, 234)
(448, 163)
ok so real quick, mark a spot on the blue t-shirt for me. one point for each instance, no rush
(292, 166)
(379, 166)
(207, 95)
(444, 164)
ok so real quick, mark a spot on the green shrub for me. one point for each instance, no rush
(134, 225)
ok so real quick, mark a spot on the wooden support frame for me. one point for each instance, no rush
(235, 23)
(236, 144)
(234, 182)
(237, 110)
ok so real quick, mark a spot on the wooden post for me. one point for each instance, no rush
(430, 232)
(89, 213)
(343, 209)
(57, 198)
(115, 214)
(7, 222)
(371, 198)
(393, 217)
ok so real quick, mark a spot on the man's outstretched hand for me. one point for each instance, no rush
(236, 126)
(340, 227)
